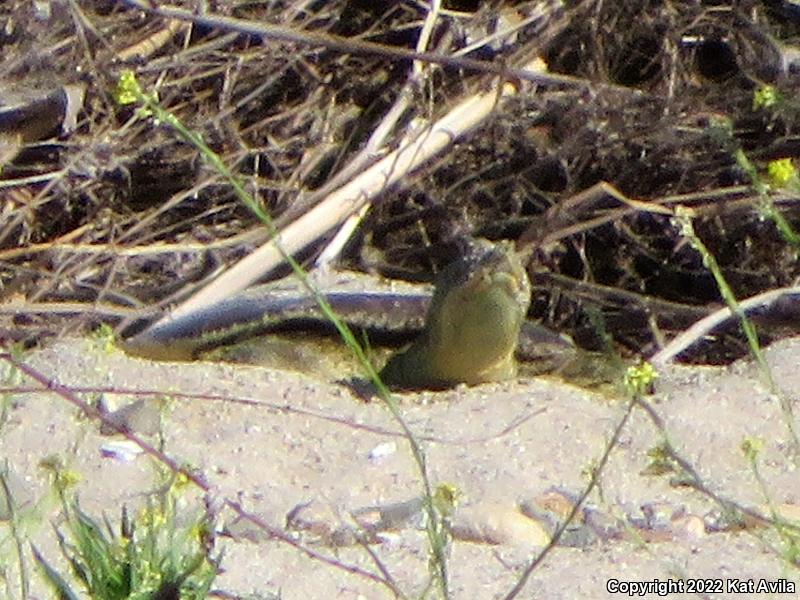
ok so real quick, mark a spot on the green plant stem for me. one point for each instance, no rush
(790, 537)
(684, 218)
(15, 533)
(767, 205)
(67, 393)
(432, 528)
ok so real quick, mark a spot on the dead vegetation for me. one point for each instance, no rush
(656, 98)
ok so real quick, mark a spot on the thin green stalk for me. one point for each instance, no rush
(13, 522)
(788, 535)
(637, 380)
(129, 92)
(778, 170)
(782, 173)
(733, 513)
(684, 219)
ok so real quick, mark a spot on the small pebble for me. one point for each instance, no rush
(499, 524)
(122, 450)
(382, 451)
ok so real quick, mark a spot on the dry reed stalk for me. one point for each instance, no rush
(423, 144)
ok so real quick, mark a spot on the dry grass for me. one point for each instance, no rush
(655, 101)
(117, 216)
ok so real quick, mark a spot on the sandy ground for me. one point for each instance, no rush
(302, 440)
